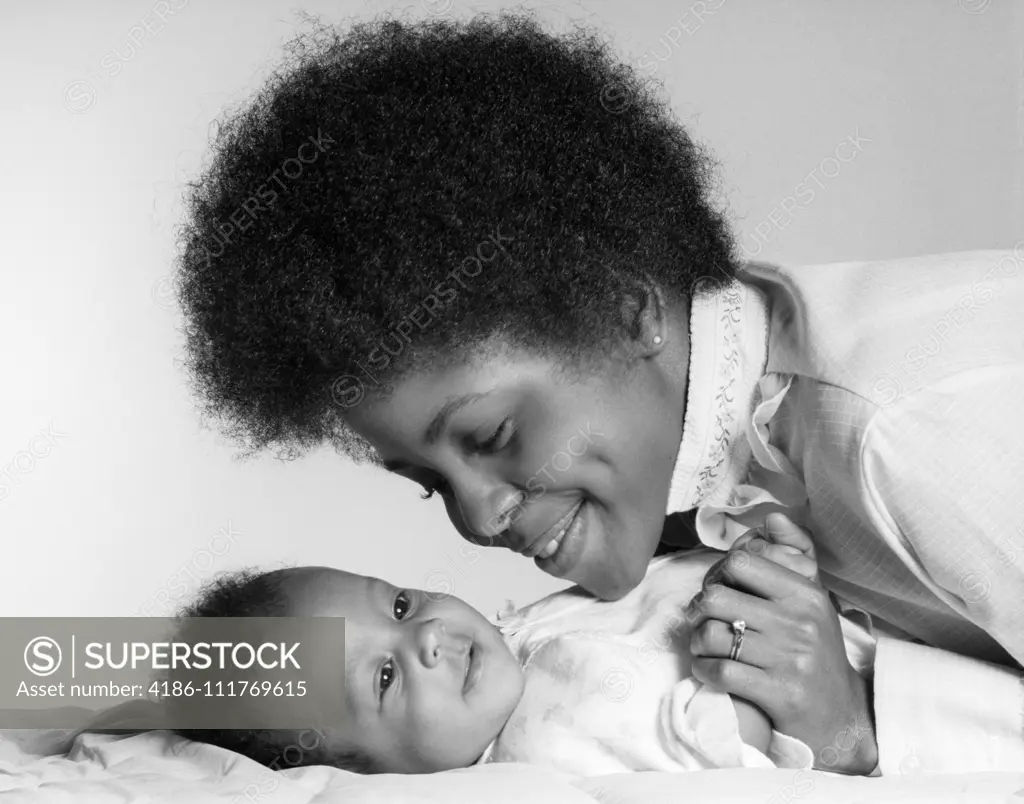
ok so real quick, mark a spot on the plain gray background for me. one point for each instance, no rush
(112, 497)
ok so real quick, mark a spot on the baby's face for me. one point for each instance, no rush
(428, 683)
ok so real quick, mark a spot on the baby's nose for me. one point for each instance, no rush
(430, 641)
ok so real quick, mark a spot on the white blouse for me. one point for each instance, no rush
(879, 405)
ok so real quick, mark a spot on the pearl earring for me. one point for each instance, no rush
(657, 340)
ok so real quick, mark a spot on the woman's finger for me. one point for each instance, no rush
(735, 678)
(780, 529)
(714, 640)
(784, 555)
(717, 602)
(744, 539)
(756, 575)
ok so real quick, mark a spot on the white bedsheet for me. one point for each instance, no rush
(38, 768)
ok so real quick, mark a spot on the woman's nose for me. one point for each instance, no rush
(489, 515)
(430, 640)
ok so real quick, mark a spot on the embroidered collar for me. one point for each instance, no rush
(728, 355)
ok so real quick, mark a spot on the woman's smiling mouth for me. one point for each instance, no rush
(549, 547)
(560, 556)
(552, 547)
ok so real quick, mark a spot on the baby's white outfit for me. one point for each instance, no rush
(609, 689)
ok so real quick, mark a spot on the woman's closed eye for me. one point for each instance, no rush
(496, 442)
(499, 439)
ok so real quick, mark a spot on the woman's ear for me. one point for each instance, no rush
(645, 314)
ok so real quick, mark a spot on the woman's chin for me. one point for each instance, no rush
(585, 556)
(608, 576)
(617, 587)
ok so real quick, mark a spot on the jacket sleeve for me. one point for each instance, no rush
(944, 481)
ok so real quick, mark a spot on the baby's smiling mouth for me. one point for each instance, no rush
(470, 655)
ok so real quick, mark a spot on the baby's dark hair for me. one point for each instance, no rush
(402, 193)
(250, 593)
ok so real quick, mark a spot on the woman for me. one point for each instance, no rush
(485, 257)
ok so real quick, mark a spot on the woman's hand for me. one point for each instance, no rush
(792, 662)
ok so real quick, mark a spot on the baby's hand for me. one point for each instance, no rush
(784, 543)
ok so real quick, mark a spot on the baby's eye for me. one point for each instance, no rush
(387, 676)
(401, 606)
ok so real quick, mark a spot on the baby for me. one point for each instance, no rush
(579, 685)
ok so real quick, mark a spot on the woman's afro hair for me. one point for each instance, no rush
(250, 593)
(403, 192)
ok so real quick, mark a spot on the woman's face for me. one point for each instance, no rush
(572, 472)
